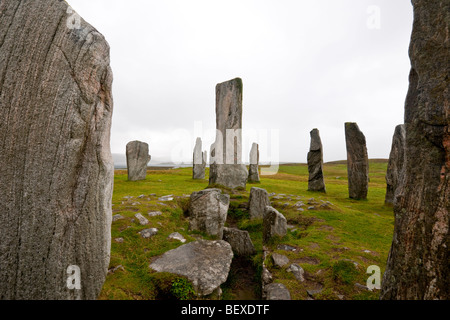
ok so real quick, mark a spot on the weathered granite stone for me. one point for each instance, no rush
(277, 291)
(357, 162)
(56, 166)
(239, 240)
(395, 169)
(148, 233)
(298, 272)
(137, 160)
(177, 236)
(199, 164)
(142, 220)
(253, 174)
(315, 163)
(117, 217)
(274, 224)
(418, 264)
(208, 211)
(205, 263)
(258, 201)
(226, 166)
(279, 260)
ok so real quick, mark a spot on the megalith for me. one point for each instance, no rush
(253, 174)
(56, 165)
(395, 170)
(199, 163)
(357, 162)
(208, 211)
(226, 166)
(137, 160)
(315, 163)
(418, 263)
(257, 202)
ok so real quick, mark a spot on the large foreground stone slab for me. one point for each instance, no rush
(55, 162)
(205, 263)
(257, 203)
(418, 264)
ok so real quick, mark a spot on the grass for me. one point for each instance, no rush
(334, 245)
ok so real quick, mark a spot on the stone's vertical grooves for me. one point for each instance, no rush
(395, 170)
(57, 170)
(418, 263)
(315, 163)
(226, 167)
(357, 162)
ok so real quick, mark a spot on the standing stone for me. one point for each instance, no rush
(226, 167)
(257, 203)
(395, 166)
(315, 163)
(56, 166)
(239, 240)
(137, 160)
(357, 162)
(199, 165)
(208, 211)
(274, 224)
(253, 174)
(418, 264)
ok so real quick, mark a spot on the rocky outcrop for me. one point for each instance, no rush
(239, 240)
(357, 162)
(253, 174)
(418, 263)
(137, 160)
(226, 166)
(208, 211)
(257, 203)
(395, 171)
(274, 224)
(205, 263)
(56, 166)
(199, 164)
(315, 163)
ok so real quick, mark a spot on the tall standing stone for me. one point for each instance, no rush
(357, 162)
(137, 160)
(396, 163)
(315, 163)
(418, 264)
(253, 174)
(56, 166)
(199, 164)
(226, 168)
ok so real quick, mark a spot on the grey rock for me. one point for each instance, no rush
(205, 263)
(117, 217)
(297, 271)
(118, 240)
(56, 166)
(226, 166)
(395, 169)
(142, 220)
(208, 211)
(277, 291)
(357, 162)
(199, 161)
(253, 174)
(286, 247)
(258, 201)
(314, 292)
(177, 236)
(239, 240)
(315, 163)
(166, 198)
(418, 263)
(137, 160)
(274, 224)
(279, 260)
(154, 213)
(148, 233)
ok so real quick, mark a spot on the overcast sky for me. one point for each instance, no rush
(304, 65)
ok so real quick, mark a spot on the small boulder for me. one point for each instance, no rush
(148, 233)
(239, 240)
(274, 224)
(259, 199)
(142, 220)
(277, 291)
